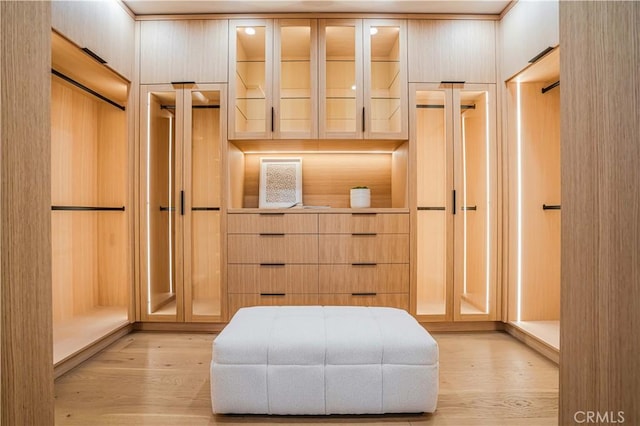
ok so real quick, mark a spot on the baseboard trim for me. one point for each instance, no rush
(192, 327)
(90, 350)
(534, 343)
(444, 327)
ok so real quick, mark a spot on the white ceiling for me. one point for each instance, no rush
(154, 7)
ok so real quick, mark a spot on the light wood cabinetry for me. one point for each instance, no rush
(273, 74)
(102, 26)
(363, 79)
(183, 50)
(452, 50)
(364, 259)
(310, 258)
(454, 212)
(533, 103)
(182, 226)
(527, 29)
(90, 218)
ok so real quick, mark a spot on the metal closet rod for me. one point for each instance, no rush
(193, 106)
(87, 208)
(442, 106)
(86, 89)
(551, 86)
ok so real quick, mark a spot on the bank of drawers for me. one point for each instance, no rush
(318, 258)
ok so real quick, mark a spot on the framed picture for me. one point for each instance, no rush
(280, 182)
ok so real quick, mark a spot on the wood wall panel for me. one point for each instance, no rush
(26, 367)
(600, 295)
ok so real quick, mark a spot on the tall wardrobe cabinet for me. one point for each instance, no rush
(181, 201)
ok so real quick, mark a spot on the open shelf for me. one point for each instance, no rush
(546, 331)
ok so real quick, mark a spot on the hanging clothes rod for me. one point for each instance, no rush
(87, 208)
(551, 207)
(198, 209)
(193, 106)
(551, 86)
(86, 89)
(442, 106)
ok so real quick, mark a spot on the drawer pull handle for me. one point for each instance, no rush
(271, 214)
(364, 294)
(272, 264)
(364, 264)
(364, 214)
(273, 294)
(364, 234)
(271, 235)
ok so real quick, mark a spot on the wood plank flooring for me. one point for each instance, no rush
(163, 379)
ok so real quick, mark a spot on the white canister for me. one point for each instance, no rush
(360, 198)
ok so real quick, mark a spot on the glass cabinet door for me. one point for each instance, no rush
(385, 79)
(251, 115)
(434, 159)
(161, 203)
(295, 77)
(202, 245)
(476, 220)
(341, 88)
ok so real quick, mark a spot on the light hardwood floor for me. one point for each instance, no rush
(163, 379)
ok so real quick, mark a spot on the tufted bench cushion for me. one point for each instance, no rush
(323, 360)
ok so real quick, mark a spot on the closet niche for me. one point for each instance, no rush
(181, 276)
(455, 216)
(90, 217)
(534, 200)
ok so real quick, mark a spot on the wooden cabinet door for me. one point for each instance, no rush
(452, 50)
(183, 50)
(103, 27)
(385, 79)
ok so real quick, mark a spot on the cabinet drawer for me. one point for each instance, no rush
(272, 223)
(237, 301)
(381, 223)
(364, 248)
(272, 248)
(392, 300)
(278, 278)
(364, 278)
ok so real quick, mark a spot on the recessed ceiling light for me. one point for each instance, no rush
(373, 30)
(250, 31)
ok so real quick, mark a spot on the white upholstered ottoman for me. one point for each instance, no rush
(323, 360)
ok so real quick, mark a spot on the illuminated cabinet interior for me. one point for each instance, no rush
(534, 199)
(181, 152)
(91, 215)
(363, 78)
(455, 207)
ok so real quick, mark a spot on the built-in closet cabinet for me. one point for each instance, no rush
(183, 50)
(181, 151)
(363, 79)
(273, 79)
(103, 28)
(454, 203)
(452, 50)
(91, 241)
(533, 105)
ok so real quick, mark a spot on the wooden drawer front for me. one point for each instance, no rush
(278, 278)
(237, 301)
(365, 278)
(274, 248)
(392, 300)
(381, 223)
(373, 248)
(272, 223)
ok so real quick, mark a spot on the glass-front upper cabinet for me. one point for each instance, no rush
(181, 132)
(295, 88)
(273, 79)
(363, 79)
(455, 151)
(250, 68)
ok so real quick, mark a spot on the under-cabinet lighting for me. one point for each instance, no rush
(373, 30)
(170, 196)
(280, 152)
(147, 203)
(488, 207)
(250, 31)
(519, 207)
(464, 203)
